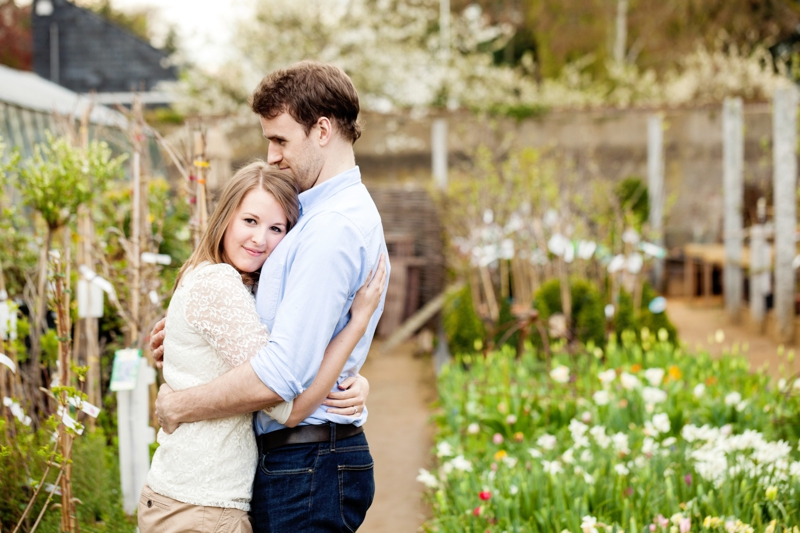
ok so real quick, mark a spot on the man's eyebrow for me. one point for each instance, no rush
(274, 137)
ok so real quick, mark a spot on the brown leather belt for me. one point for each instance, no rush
(306, 435)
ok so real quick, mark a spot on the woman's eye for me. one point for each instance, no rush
(250, 220)
(276, 229)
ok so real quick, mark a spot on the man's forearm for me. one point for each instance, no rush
(236, 392)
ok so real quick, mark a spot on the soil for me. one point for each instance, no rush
(400, 434)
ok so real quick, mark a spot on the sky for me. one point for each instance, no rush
(205, 27)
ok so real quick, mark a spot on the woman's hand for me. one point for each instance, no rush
(369, 295)
(353, 398)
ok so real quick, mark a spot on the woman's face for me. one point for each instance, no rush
(255, 229)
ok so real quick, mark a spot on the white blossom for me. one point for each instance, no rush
(444, 449)
(621, 469)
(601, 397)
(546, 442)
(427, 479)
(607, 376)
(552, 467)
(653, 395)
(629, 381)
(560, 374)
(654, 376)
(733, 398)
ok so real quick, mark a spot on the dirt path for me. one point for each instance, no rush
(402, 388)
(697, 326)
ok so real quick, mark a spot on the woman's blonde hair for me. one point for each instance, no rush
(252, 176)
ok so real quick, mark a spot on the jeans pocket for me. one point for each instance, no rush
(356, 491)
(289, 461)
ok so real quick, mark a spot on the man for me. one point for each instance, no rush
(318, 476)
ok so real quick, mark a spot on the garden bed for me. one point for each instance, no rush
(640, 436)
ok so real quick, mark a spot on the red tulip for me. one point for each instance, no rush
(485, 495)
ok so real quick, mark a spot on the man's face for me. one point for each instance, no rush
(292, 151)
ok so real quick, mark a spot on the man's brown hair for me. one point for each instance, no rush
(307, 91)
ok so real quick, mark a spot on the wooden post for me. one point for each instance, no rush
(439, 152)
(135, 436)
(136, 245)
(201, 169)
(689, 277)
(733, 192)
(759, 274)
(785, 193)
(655, 190)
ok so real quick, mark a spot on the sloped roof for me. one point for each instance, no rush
(30, 91)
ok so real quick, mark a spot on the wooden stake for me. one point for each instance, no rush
(733, 194)
(785, 194)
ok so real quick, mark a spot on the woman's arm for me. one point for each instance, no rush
(364, 305)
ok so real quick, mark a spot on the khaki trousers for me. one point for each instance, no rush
(160, 514)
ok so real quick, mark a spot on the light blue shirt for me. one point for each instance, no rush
(307, 286)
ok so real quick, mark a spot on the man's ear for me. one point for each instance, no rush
(325, 130)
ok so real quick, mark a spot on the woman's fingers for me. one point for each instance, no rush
(347, 411)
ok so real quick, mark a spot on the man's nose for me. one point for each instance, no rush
(274, 155)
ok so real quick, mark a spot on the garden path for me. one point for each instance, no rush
(400, 435)
(697, 326)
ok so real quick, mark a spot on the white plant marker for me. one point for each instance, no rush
(439, 152)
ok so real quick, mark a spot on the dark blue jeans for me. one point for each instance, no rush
(325, 486)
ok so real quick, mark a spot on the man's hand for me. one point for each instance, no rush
(164, 409)
(157, 343)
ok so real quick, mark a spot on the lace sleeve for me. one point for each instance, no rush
(222, 310)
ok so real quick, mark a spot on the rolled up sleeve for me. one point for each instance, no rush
(322, 276)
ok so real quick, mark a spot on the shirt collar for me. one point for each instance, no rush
(319, 193)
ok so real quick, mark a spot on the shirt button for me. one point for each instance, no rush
(149, 503)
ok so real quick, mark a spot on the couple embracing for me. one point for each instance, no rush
(274, 310)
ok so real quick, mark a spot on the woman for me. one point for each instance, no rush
(201, 475)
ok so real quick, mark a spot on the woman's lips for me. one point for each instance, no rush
(254, 253)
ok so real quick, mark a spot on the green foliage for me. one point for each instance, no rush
(95, 478)
(49, 342)
(60, 177)
(632, 195)
(588, 319)
(17, 255)
(524, 448)
(461, 324)
(626, 320)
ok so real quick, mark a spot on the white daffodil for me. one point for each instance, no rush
(661, 422)
(589, 524)
(546, 442)
(607, 376)
(629, 381)
(601, 397)
(733, 398)
(560, 374)
(444, 449)
(552, 467)
(654, 376)
(427, 479)
(653, 395)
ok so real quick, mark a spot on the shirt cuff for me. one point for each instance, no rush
(275, 375)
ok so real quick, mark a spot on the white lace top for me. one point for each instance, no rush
(212, 326)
